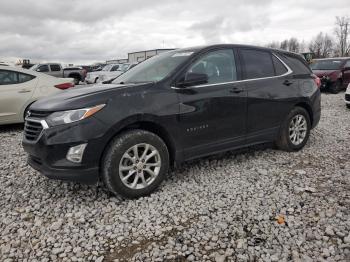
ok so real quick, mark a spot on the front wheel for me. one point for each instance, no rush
(335, 87)
(135, 164)
(295, 130)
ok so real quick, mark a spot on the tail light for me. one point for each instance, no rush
(317, 80)
(64, 86)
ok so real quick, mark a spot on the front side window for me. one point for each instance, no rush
(258, 64)
(43, 68)
(8, 77)
(115, 68)
(219, 66)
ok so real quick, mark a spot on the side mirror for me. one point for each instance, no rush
(192, 79)
(38, 70)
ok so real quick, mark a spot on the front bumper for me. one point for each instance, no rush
(48, 152)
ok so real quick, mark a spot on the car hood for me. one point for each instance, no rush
(321, 73)
(84, 97)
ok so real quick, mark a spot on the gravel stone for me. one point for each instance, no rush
(219, 208)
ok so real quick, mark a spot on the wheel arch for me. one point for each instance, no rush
(147, 124)
(308, 109)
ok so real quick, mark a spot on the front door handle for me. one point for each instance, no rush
(23, 91)
(236, 90)
(287, 82)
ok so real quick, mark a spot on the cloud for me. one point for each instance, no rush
(84, 31)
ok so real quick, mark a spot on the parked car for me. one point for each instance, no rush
(175, 106)
(54, 69)
(347, 96)
(109, 75)
(21, 87)
(333, 72)
(94, 77)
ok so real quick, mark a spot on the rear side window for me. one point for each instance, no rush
(55, 68)
(280, 69)
(24, 77)
(258, 64)
(8, 77)
(297, 64)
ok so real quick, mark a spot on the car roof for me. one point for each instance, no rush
(208, 47)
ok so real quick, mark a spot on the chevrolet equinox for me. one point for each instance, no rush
(176, 106)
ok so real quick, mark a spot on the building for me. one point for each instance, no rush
(140, 56)
(117, 61)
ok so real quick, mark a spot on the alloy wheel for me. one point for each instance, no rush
(298, 129)
(139, 166)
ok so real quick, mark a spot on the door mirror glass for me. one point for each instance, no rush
(193, 79)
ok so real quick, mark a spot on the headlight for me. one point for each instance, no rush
(65, 117)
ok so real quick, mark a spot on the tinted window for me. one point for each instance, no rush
(257, 63)
(43, 68)
(297, 64)
(115, 68)
(8, 77)
(24, 77)
(55, 68)
(218, 65)
(347, 64)
(280, 69)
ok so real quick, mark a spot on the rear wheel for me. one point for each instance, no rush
(295, 130)
(135, 164)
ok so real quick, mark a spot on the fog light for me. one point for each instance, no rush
(75, 153)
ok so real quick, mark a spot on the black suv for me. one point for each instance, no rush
(173, 107)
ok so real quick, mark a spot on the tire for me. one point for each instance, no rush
(120, 153)
(286, 141)
(348, 106)
(76, 81)
(335, 87)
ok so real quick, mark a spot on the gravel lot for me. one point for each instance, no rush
(254, 205)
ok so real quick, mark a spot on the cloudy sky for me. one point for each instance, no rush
(84, 31)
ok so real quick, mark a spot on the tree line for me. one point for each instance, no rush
(323, 44)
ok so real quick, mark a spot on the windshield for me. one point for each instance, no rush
(123, 67)
(107, 67)
(34, 67)
(329, 64)
(155, 68)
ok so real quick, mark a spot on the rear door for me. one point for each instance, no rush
(212, 116)
(16, 89)
(56, 70)
(269, 88)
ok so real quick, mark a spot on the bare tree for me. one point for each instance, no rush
(321, 45)
(293, 45)
(342, 30)
(273, 44)
(284, 45)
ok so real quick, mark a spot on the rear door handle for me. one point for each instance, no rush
(236, 90)
(287, 82)
(23, 91)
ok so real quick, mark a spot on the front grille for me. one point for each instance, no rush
(347, 97)
(32, 130)
(38, 114)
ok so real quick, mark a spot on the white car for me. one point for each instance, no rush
(19, 88)
(108, 75)
(347, 96)
(94, 77)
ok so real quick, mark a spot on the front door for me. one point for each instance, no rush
(212, 115)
